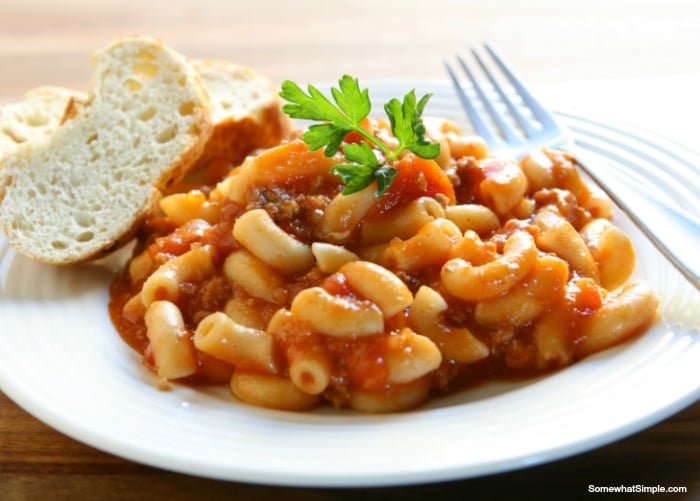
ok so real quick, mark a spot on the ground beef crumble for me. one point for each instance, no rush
(296, 213)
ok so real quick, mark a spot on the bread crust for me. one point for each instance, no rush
(247, 111)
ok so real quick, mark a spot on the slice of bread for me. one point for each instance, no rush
(36, 117)
(246, 111)
(85, 189)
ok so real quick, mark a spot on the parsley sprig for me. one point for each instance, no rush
(367, 160)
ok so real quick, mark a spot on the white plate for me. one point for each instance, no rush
(62, 361)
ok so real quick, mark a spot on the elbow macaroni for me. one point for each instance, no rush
(296, 294)
(337, 316)
(165, 282)
(170, 345)
(257, 232)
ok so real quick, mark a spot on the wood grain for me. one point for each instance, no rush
(35, 461)
(549, 41)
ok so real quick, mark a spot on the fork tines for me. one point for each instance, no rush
(504, 111)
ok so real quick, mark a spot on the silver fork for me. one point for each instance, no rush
(513, 122)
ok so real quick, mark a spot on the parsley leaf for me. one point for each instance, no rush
(352, 106)
(359, 175)
(385, 176)
(361, 153)
(355, 176)
(406, 123)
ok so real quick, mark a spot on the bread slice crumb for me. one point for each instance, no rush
(36, 117)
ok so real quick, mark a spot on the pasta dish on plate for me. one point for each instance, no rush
(284, 279)
(467, 267)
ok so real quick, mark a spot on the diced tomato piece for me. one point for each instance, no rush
(586, 295)
(417, 177)
(366, 365)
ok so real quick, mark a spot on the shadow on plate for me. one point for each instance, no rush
(24, 279)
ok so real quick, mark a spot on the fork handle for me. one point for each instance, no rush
(672, 230)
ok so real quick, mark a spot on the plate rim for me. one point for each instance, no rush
(114, 446)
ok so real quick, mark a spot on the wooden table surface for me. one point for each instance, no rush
(553, 44)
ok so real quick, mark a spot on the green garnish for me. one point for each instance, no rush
(352, 105)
